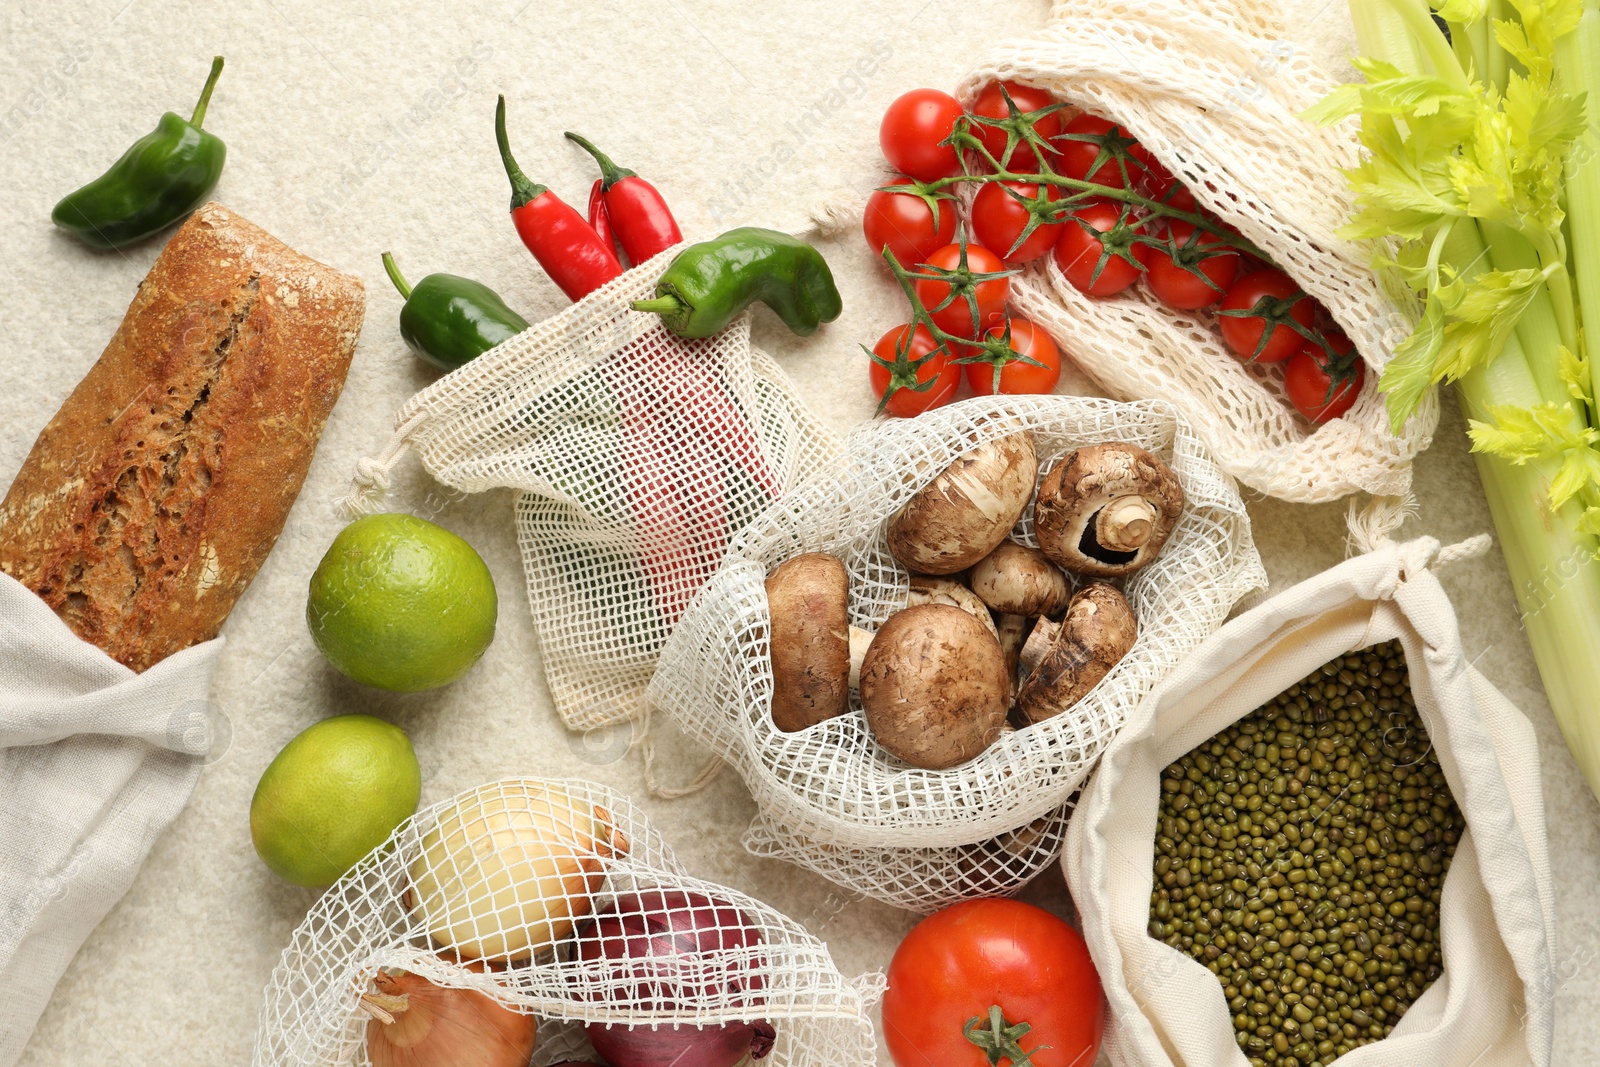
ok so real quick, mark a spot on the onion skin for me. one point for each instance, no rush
(643, 936)
(439, 1027)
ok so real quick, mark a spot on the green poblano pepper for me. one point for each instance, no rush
(164, 176)
(709, 283)
(449, 320)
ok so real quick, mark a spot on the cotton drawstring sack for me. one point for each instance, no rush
(1493, 1004)
(465, 867)
(637, 456)
(1214, 89)
(830, 797)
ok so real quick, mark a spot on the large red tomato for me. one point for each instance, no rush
(961, 967)
(989, 294)
(991, 104)
(913, 130)
(999, 217)
(905, 224)
(901, 368)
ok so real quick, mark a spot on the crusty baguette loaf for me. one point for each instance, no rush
(152, 497)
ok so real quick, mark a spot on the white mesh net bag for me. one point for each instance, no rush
(1213, 88)
(830, 797)
(638, 455)
(547, 882)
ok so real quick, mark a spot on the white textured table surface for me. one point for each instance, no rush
(356, 126)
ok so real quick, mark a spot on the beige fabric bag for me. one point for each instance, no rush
(1493, 1004)
(1213, 88)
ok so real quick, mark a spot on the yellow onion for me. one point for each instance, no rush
(506, 873)
(418, 1024)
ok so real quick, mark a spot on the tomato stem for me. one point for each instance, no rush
(1000, 1040)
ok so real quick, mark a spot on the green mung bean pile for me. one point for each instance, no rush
(1300, 856)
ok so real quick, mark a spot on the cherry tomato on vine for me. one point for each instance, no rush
(912, 129)
(1157, 182)
(1255, 313)
(1097, 150)
(965, 978)
(905, 223)
(991, 104)
(1096, 250)
(1017, 377)
(1188, 270)
(990, 293)
(998, 219)
(896, 379)
(1310, 380)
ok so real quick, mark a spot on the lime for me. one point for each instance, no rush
(399, 603)
(334, 793)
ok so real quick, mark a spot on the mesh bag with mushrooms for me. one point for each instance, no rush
(1350, 851)
(891, 767)
(1215, 88)
(544, 918)
(636, 456)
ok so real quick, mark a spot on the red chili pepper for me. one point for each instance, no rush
(564, 244)
(638, 212)
(598, 217)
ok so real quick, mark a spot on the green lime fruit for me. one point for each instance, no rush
(399, 603)
(334, 793)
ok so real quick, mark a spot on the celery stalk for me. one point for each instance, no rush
(1578, 66)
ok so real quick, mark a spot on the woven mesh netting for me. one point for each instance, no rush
(528, 875)
(1214, 88)
(638, 455)
(831, 787)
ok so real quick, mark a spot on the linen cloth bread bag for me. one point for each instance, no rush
(143, 511)
(1493, 1004)
(1214, 89)
(522, 874)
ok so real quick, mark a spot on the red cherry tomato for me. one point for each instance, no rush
(904, 370)
(991, 104)
(1017, 377)
(1096, 249)
(1254, 314)
(1097, 150)
(998, 219)
(958, 965)
(905, 224)
(990, 294)
(1309, 378)
(912, 131)
(1156, 181)
(1188, 271)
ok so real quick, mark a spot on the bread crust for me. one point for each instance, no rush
(153, 496)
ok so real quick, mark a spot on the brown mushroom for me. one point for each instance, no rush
(957, 519)
(934, 687)
(927, 589)
(808, 598)
(1017, 580)
(1106, 510)
(1069, 659)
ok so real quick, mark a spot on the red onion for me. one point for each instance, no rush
(662, 947)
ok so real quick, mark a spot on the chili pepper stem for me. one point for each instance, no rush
(661, 305)
(610, 173)
(199, 115)
(395, 276)
(523, 189)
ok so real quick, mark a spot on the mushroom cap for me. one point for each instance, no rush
(1099, 493)
(808, 599)
(934, 686)
(929, 589)
(1097, 632)
(1018, 580)
(969, 507)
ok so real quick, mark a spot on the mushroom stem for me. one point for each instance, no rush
(1013, 630)
(1126, 523)
(860, 641)
(1039, 642)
